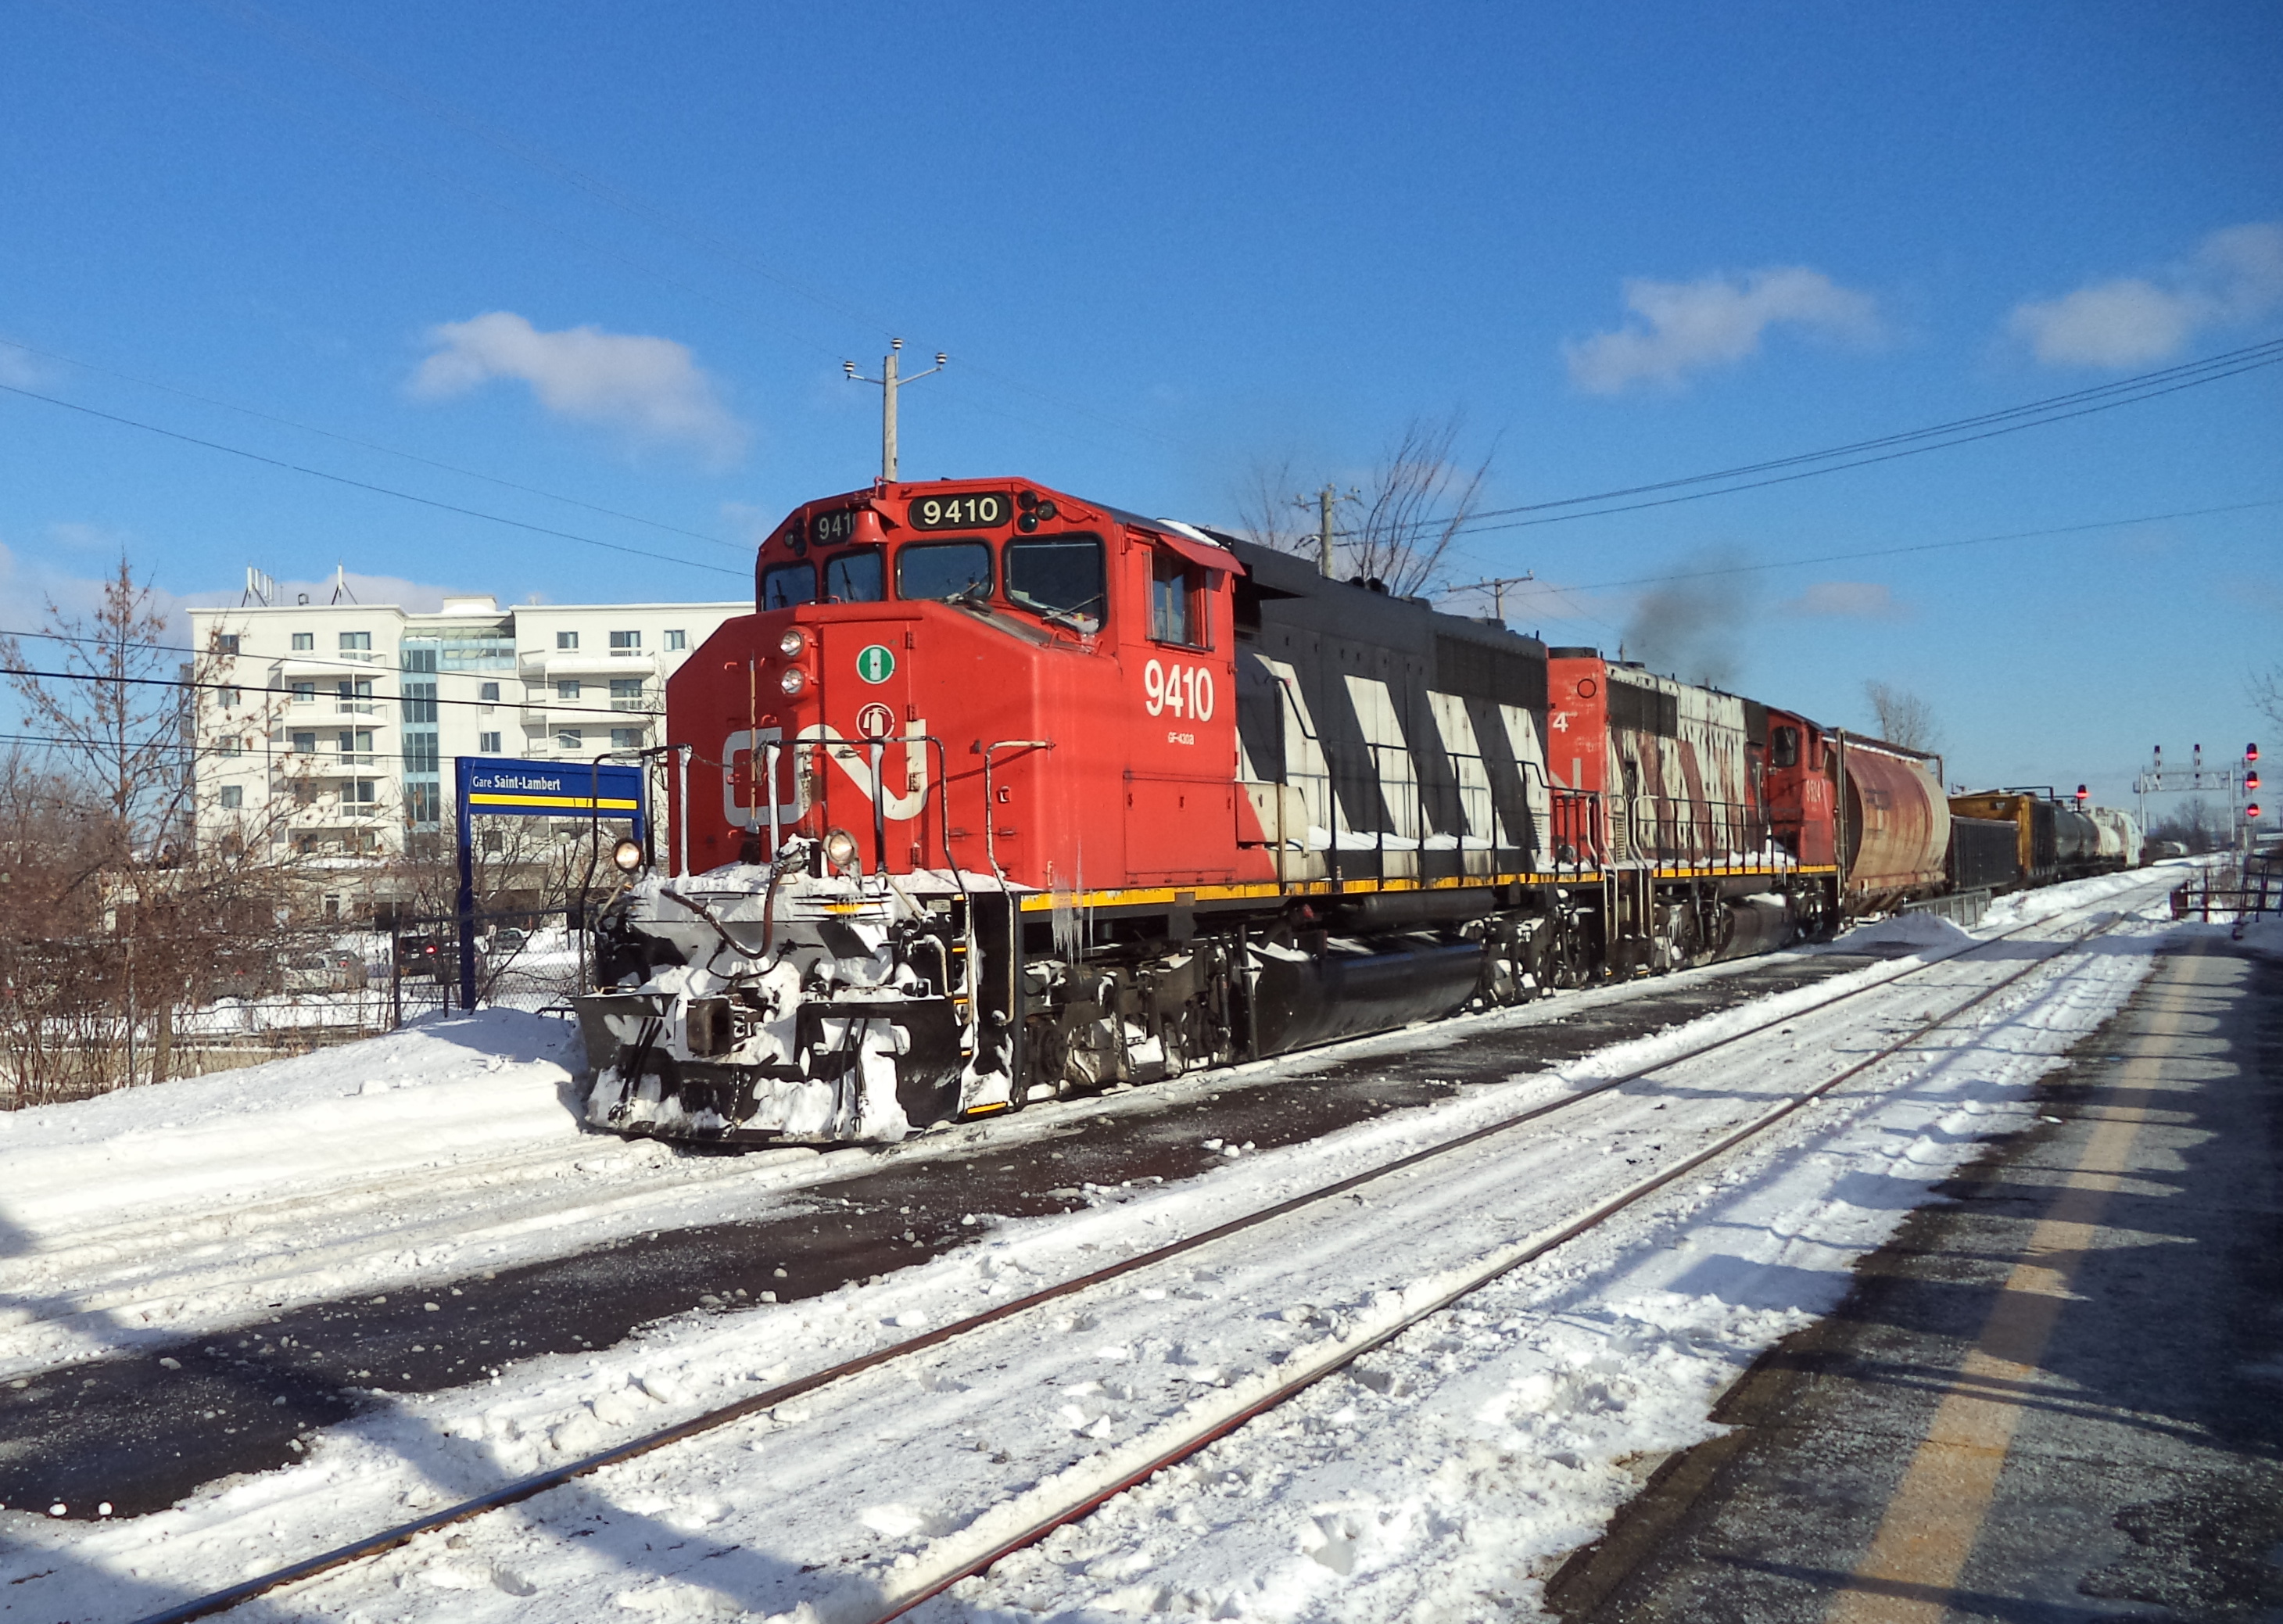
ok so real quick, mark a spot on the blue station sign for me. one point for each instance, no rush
(551, 789)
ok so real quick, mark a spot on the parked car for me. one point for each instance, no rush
(424, 958)
(334, 969)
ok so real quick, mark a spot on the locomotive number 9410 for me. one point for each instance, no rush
(959, 512)
(1180, 690)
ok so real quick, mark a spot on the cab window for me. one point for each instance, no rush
(942, 570)
(1785, 749)
(854, 577)
(1060, 577)
(783, 585)
(1176, 600)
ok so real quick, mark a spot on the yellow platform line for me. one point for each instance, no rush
(1936, 1516)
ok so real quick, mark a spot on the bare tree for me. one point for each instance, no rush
(115, 916)
(2265, 689)
(111, 714)
(1417, 501)
(1903, 718)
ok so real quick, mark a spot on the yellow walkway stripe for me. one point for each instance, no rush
(1936, 1512)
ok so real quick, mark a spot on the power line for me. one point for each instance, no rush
(184, 682)
(2034, 414)
(369, 445)
(366, 485)
(1889, 552)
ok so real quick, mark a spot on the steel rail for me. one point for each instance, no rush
(1507, 1262)
(532, 1484)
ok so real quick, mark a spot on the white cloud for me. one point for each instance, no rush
(1859, 600)
(1717, 320)
(2234, 276)
(649, 388)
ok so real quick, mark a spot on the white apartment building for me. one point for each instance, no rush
(337, 733)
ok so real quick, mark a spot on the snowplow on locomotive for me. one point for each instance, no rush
(999, 793)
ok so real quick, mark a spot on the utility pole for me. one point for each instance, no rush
(1496, 589)
(1324, 500)
(888, 384)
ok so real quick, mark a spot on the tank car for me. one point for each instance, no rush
(1000, 793)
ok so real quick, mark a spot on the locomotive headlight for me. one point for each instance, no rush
(793, 643)
(627, 856)
(793, 680)
(840, 849)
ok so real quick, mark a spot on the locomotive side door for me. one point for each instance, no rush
(1181, 679)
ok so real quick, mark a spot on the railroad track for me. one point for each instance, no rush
(989, 1539)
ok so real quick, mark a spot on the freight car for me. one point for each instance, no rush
(1002, 793)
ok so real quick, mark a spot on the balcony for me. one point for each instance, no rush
(547, 667)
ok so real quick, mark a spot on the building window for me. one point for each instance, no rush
(566, 639)
(355, 640)
(304, 693)
(627, 738)
(424, 803)
(304, 642)
(626, 643)
(360, 792)
(229, 699)
(421, 659)
(488, 744)
(420, 753)
(305, 744)
(226, 643)
(233, 797)
(493, 843)
(568, 738)
(420, 704)
(568, 690)
(626, 692)
(677, 640)
(489, 693)
(231, 745)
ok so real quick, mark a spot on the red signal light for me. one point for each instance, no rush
(2083, 794)
(2251, 752)
(2251, 780)
(2251, 813)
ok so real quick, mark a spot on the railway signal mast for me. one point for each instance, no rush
(888, 383)
(2239, 781)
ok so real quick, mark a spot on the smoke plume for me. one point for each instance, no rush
(1693, 627)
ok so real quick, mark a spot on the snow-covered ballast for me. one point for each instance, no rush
(799, 1001)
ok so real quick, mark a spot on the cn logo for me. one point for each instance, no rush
(875, 663)
(875, 721)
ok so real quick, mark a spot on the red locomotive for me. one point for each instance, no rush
(999, 793)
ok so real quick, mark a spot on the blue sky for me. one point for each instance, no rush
(618, 255)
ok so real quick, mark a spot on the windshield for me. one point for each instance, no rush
(854, 577)
(1061, 577)
(783, 585)
(944, 569)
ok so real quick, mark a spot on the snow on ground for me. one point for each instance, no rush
(1442, 1478)
(449, 1148)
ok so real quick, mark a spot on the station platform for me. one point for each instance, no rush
(2055, 1396)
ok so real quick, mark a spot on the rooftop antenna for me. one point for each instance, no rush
(888, 384)
(341, 584)
(261, 590)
